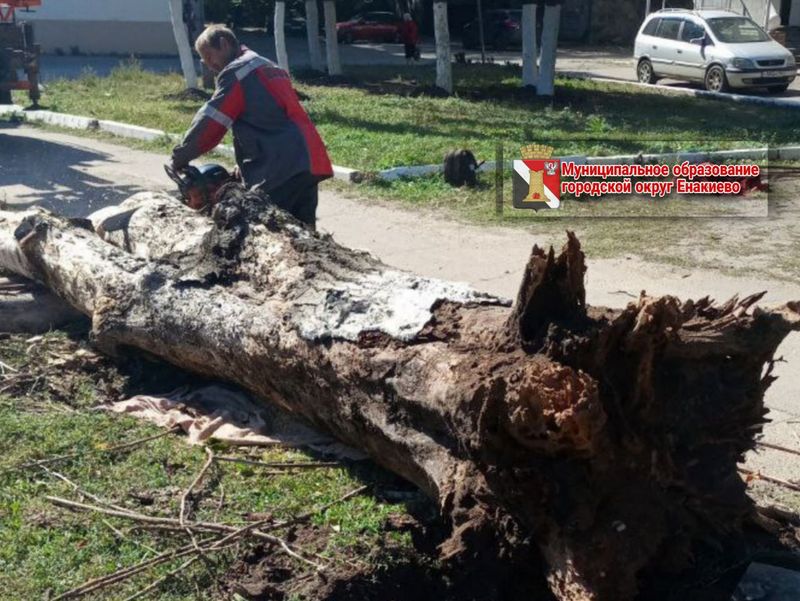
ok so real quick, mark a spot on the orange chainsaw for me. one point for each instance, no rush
(198, 186)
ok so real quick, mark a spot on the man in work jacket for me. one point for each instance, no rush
(278, 149)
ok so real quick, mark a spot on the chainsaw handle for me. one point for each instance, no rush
(182, 177)
(174, 175)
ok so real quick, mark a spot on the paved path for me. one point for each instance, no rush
(75, 176)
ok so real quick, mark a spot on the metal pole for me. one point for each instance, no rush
(647, 8)
(480, 32)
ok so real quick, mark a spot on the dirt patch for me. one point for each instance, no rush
(265, 575)
(190, 95)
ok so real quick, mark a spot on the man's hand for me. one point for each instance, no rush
(236, 173)
(177, 165)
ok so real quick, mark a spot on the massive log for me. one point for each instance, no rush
(582, 443)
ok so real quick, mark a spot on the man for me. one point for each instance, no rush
(409, 35)
(278, 149)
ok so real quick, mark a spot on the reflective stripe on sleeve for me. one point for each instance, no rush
(218, 116)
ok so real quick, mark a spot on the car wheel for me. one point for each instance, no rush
(778, 89)
(645, 73)
(348, 38)
(716, 80)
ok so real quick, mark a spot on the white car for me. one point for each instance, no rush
(718, 48)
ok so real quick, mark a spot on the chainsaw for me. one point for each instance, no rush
(198, 186)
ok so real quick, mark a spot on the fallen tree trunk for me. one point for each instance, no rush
(593, 442)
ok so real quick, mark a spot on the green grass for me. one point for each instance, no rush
(45, 548)
(375, 119)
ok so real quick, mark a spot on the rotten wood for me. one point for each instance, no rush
(573, 442)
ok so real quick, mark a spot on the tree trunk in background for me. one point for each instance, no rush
(207, 76)
(444, 66)
(530, 48)
(575, 443)
(481, 32)
(331, 39)
(182, 41)
(547, 65)
(312, 31)
(280, 35)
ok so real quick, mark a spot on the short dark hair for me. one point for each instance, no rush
(213, 35)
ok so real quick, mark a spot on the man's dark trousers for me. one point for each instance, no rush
(298, 196)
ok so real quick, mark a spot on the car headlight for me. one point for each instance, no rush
(742, 63)
(790, 61)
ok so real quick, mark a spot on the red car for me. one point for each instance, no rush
(372, 27)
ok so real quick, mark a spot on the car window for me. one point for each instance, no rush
(651, 27)
(668, 28)
(385, 18)
(737, 30)
(692, 31)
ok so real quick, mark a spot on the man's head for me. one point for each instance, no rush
(406, 16)
(217, 46)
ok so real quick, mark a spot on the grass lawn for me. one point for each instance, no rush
(46, 411)
(378, 118)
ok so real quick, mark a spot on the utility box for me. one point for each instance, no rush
(18, 52)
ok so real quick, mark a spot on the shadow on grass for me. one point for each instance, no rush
(638, 113)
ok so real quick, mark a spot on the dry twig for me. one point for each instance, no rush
(287, 465)
(124, 573)
(163, 579)
(121, 447)
(172, 523)
(759, 476)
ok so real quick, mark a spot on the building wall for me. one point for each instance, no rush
(103, 26)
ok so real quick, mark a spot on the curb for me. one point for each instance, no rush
(349, 175)
(136, 132)
(668, 90)
(778, 153)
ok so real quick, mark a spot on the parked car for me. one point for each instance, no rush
(721, 49)
(501, 29)
(372, 27)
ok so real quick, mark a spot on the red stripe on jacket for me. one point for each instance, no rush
(232, 106)
(277, 83)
